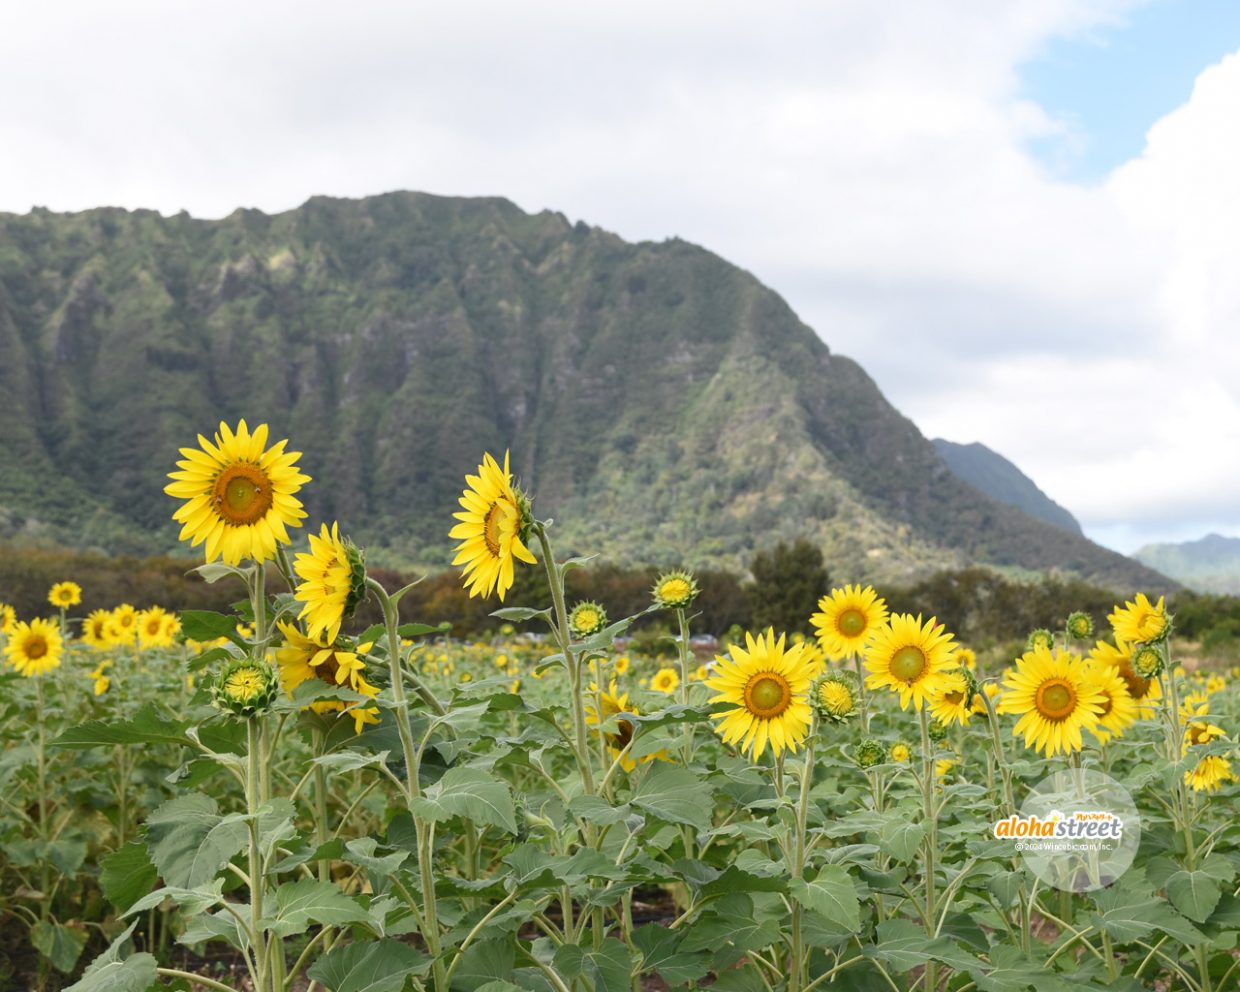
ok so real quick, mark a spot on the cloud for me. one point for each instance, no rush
(871, 166)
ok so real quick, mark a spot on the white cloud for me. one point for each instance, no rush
(869, 165)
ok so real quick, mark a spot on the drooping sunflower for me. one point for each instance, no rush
(768, 686)
(34, 648)
(665, 680)
(1144, 691)
(97, 630)
(1200, 732)
(909, 657)
(154, 630)
(847, 618)
(238, 493)
(124, 624)
(65, 594)
(1210, 774)
(333, 582)
(303, 658)
(494, 524)
(1119, 709)
(611, 703)
(1140, 621)
(1054, 698)
(951, 697)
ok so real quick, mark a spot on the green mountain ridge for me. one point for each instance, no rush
(662, 404)
(1000, 479)
(1209, 564)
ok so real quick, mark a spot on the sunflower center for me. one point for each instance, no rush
(908, 663)
(954, 698)
(1137, 686)
(767, 695)
(490, 528)
(35, 648)
(1056, 699)
(1107, 704)
(851, 623)
(242, 494)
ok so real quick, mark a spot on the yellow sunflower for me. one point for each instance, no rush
(153, 628)
(303, 658)
(34, 648)
(966, 658)
(238, 494)
(622, 664)
(900, 753)
(1054, 698)
(1145, 692)
(768, 686)
(993, 692)
(611, 703)
(1139, 621)
(97, 630)
(951, 698)
(1201, 732)
(8, 617)
(102, 682)
(847, 619)
(494, 520)
(1210, 774)
(1119, 709)
(65, 594)
(124, 624)
(327, 582)
(665, 680)
(909, 657)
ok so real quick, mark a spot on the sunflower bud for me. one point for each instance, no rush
(675, 590)
(938, 731)
(834, 696)
(1040, 638)
(900, 752)
(587, 618)
(1080, 625)
(245, 687)
(871, 752)
(1147, 661)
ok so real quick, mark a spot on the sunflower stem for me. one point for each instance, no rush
(931, 839)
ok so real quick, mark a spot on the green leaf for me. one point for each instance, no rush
(298, 904)
(378, 966)
(902, 946)
(192, 901)
(831, 895)
(126, 875)
(1194, 893)
(108, 973)
(60, 944)
(1127, 916)
(595, 809)
(213, 571)
(675, 795)
(483, 962)
(207, 625)
(519, 614)
(900, 839)
(362, 853)
(473, 794)
(148, 726)
(418, 629)
(190, 842)
(607, 969)
(206, 658)
(658, 947)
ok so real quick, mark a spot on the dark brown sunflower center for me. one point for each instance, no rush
(623, 735)
(36, 647)
(242, 494)
(1056, 699)
(1137, 686)
(152, 626)
(1107, 703)
(851, 623)
(908, 663)
(954, 698)
(767, 695)
(490, 528)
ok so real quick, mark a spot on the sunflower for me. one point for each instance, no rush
(966, 658)
(1200, 732)
(1054, 698)
(34, 648)
(1080, 625)
(124, 624)
(303, 658)
(900, 753)
(102, 682)
(1140, 620)
(1145, 692)
(586, 618)
(1211, 773)
(8, 617)
(494, 523)
(993, 692)
(153, 628)
(238, 494)
(834, 696)
(333, 582)
(665, 680)
(1119, 709)
(64, 594)
(908, 657)
(621, 664)
(611, 703)
(1040, 638)
(847, 618)
(951, 698)
(675, 590)
(245, 687)
(768, 686)
(97, 630)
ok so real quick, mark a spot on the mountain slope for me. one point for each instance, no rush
(1210, 564)
(999, 479)
(661, 403)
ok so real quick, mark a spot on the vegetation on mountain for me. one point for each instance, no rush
(1209, 564)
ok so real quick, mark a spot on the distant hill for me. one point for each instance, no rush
(661, 403)
(999, 479)
(1211, 564)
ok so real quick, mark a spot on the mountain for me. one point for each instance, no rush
(999, 479)
(1210, 564)
(662, 404)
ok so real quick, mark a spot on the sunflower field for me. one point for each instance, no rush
(274, 799)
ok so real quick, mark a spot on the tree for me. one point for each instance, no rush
(788, 581)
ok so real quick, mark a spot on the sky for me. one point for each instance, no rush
(1019, 216)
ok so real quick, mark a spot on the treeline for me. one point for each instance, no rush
(982, 607)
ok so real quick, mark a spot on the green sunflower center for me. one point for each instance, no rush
(1056, 699)
(767, 695)
(851, 623)
(908, 663)
(242, 494)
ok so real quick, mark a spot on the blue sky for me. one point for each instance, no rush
(1111, 82)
